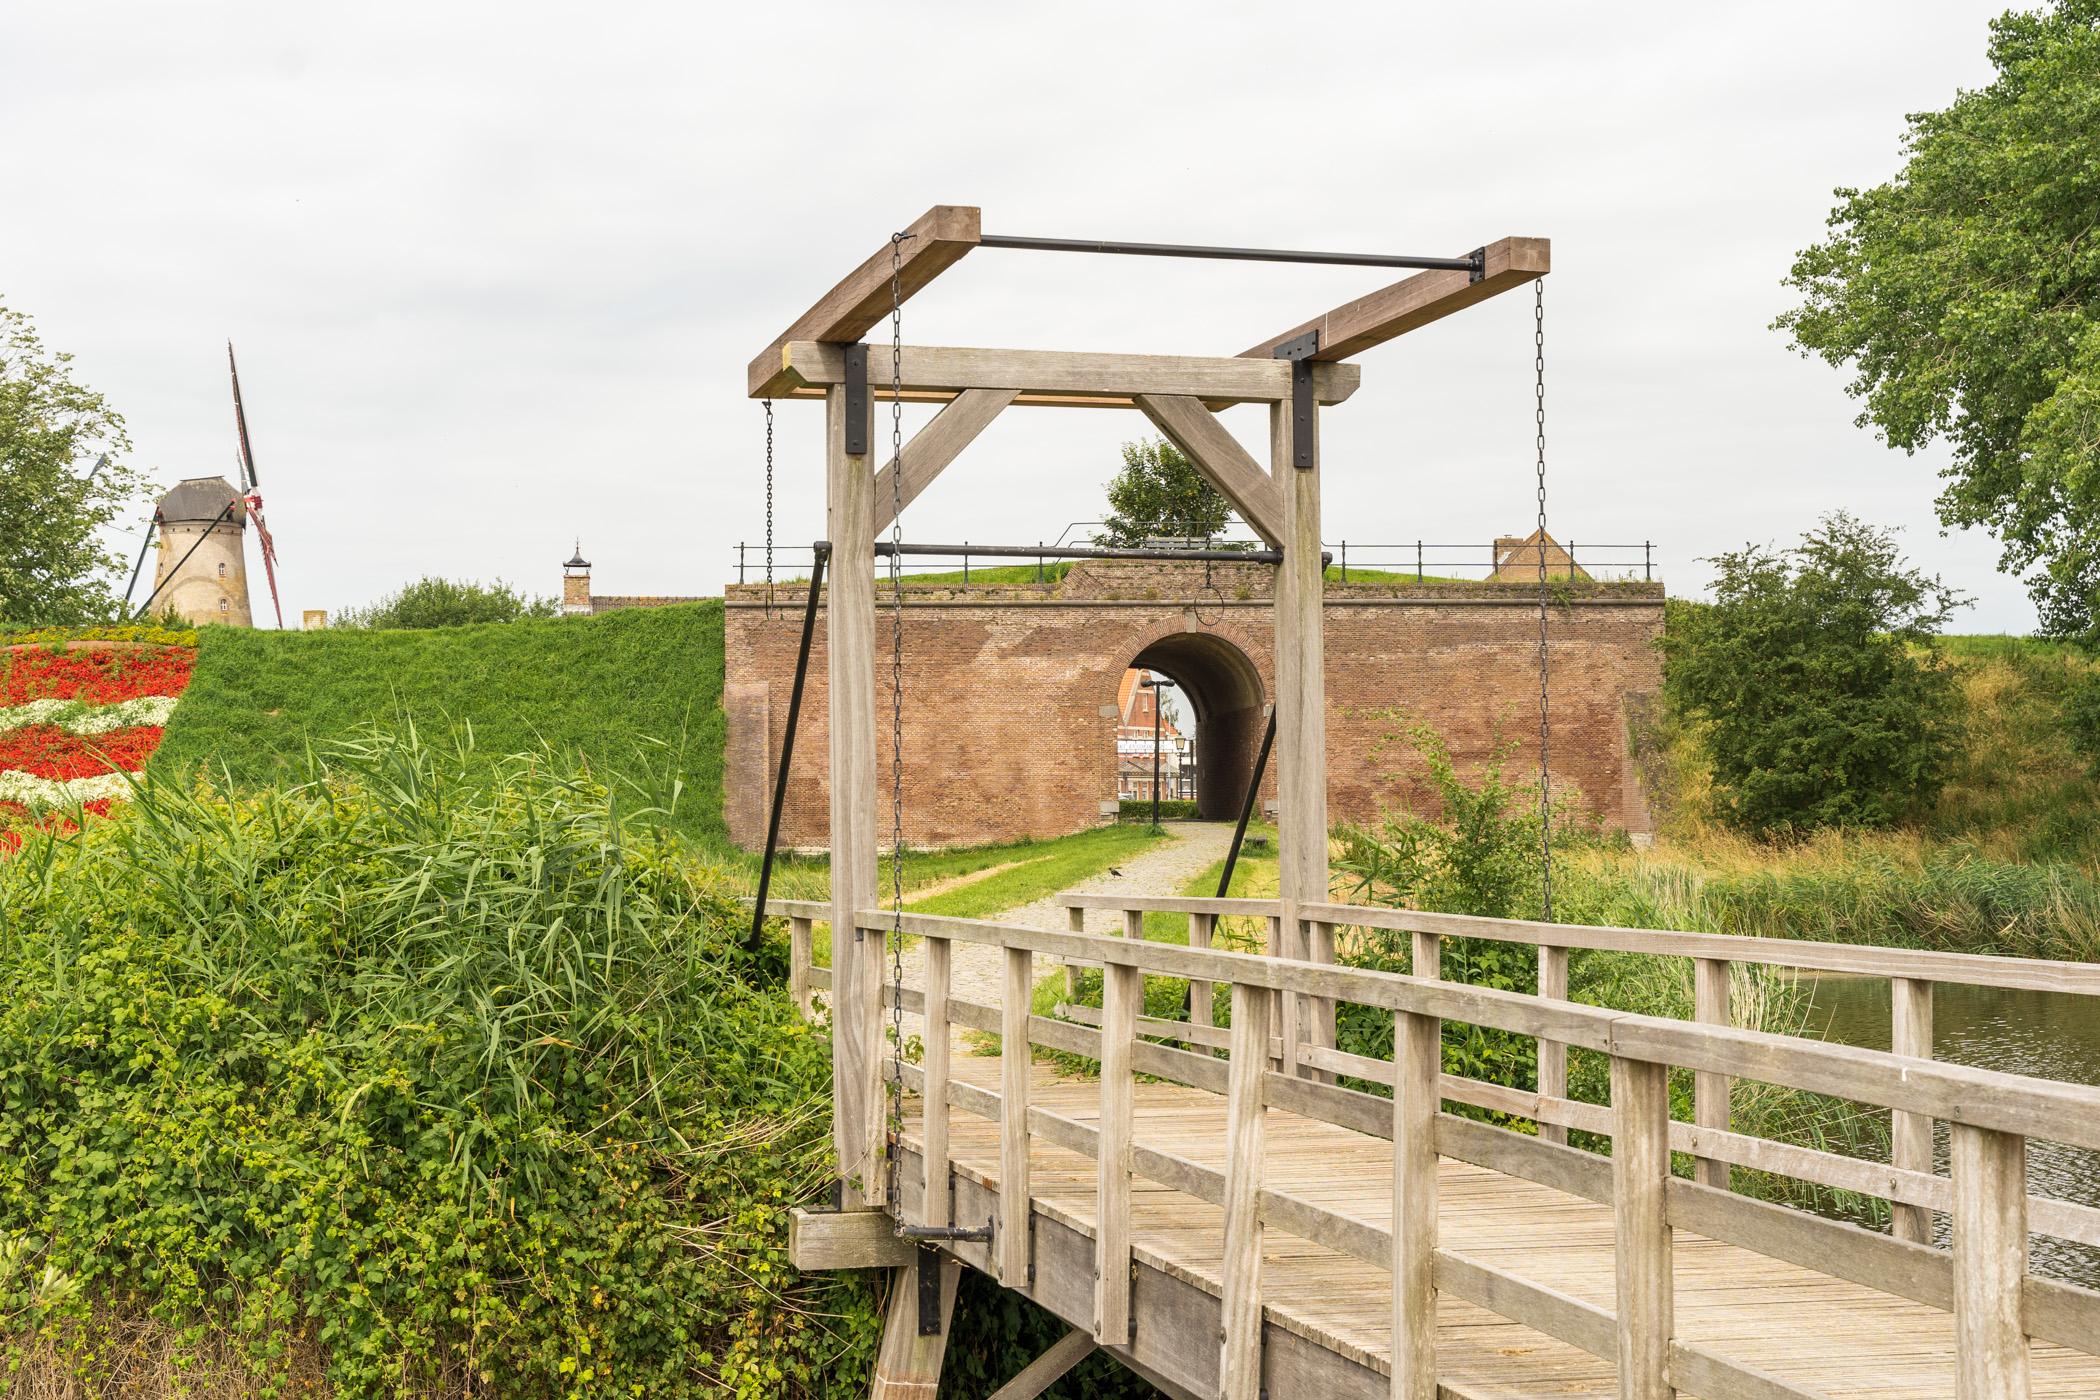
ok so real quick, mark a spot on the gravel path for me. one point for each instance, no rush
(976, 974)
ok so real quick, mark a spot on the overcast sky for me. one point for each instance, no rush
(495, 271)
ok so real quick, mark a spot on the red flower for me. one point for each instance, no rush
(46, 751)
(99, 677)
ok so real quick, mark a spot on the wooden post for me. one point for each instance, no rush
(1015, 1265)
(1301, 697)
(1285, 1013)
(1122, 992)
(1319, 1011)
(1990, 1263)
(1075, 920)
(1910, 1134)
(1239, 1367)
(1553, 1056)
(908, 1365)
(1640, 1170)
(856, 963)
(1417, 1067)
(1201, 927)
(1427, 955)
(1711, 1091)
(933, 1105)
(801, 954)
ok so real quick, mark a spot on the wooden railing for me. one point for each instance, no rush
(1996, 1302)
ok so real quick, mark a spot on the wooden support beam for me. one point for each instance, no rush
(1711, 1091)
(1054, 376)
(1414, 302)
(1910, 1134)
(1990, 1263)
(1122, 996)
(820, 1240)
(1301, 695)
(1046, 1370)
(908, 1365)
(1218, 455)
(933, 447)
(1553, 1056)
(935, 1203)
(1015, 1060)
(1640, 1177)
(940, 238)
(1417, 1074)
(1239, 1366)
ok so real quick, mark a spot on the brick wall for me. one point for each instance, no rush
(1010, 694)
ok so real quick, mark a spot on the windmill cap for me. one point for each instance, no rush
(199, 500)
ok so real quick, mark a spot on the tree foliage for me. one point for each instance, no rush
(443, 602)
(1965, 295)
(1160, 494)
(60, 485)
(1815, 677)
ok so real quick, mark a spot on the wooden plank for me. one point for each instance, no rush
(1320, 1011)
(1417, 1068)
(1910, 1134)
(1122, 993)
(933, 1131)
(1240, 1355)
(1990, 1263)
(1711, 1089)
(908, 1363)
(1414, 302)
(849, 669)
(1075, 918)
(1640, 1172)
(1202, 1012)
(1218, 455)
(933, 447)
(822, 1240)
(940, 238)
(1171, 904)
(1300, 753)
(800, 958)
(1048, 376)
(1552, 1055)
(1015, 1059)
(1426, 956)
(1040, 1374)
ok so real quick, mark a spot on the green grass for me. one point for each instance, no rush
(636, 694)
(1046, 867)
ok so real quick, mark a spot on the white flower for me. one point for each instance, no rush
(33, 792)
(80, 717)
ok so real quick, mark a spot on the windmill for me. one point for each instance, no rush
(250, 496)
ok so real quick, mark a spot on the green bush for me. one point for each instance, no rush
(1814, 675)
(444, 602)
(434, 1061)
(1171, 809)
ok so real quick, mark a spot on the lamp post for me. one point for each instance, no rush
(1156, 684)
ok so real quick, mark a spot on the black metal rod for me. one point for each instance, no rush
(222, 515)
(884, 548)
(144, 545)
(787, 744)
(1193, 250)
(1239, 833)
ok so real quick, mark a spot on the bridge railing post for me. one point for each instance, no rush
(1417, 1067)
(1319, 1011)
(1910, 1134)
(801, 955)
(1201, 928)
(1122, 995)
(1712, 1091)
(1990, 1263)
(1553, 1056)
(1285, 1013)
(1640, 1170)
(1015, 1058)
(1239, 1368)
(1075, 920)
(934, 1204)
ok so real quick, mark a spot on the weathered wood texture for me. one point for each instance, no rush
(1414, 302)
(908, 1363)
(1711, 1091)
(939, 239)
(1043, 1372)
(1122, 993)
(1063, 377)
(1245, 1122)
(933, 447)
(1224, 463)
(822, 1240)
(1910, 1134)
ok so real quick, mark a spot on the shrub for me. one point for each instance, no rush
(1170, 809)
(440, 602)
(1815, 677)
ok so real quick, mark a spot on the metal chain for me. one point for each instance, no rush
(769, 507)
(893, 1150)
(1538, 365)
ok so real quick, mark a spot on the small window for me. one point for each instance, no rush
(222, 568)
(225, 606)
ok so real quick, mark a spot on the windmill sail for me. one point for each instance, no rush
(251, 497)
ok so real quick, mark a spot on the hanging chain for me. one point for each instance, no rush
(769, 507)
(1538, 366)
(893, 1152)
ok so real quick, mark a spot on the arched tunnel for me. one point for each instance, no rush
(1224, 690)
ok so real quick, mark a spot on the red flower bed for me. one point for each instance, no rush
(46, 751)
(13, 833)
(99, 677)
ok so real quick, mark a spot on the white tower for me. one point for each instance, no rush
(202, 575)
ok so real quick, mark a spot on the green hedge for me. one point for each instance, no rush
(1170, 809)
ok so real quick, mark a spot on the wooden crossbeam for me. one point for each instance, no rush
(1057, 376)
(1414, 302)
(933, 447)
(845, 1239)
(939, 239)
(1043, 1372)
(1218, 455)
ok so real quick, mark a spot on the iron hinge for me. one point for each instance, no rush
(1479, 270)
(857, 400)
(1299, 350)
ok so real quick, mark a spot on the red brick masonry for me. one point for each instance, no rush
(1010, 692)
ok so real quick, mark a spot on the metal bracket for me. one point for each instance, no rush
(1299, 351)
(929, 1291)
(857, 400)
(1479, 270)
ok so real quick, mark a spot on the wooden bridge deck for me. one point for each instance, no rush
(1814, 1332)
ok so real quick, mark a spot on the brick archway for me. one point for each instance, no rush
(1224, 688)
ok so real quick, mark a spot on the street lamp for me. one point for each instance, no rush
(1156, 684)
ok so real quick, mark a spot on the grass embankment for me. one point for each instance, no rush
(635, 694)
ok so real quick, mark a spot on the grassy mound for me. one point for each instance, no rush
(635, 693)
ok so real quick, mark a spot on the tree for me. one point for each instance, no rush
(440, 602)
(1160, 494)
(61, 484)
(1816, 680)
(1965, 295)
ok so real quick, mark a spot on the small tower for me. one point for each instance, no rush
(202, 573)
(576, 584)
